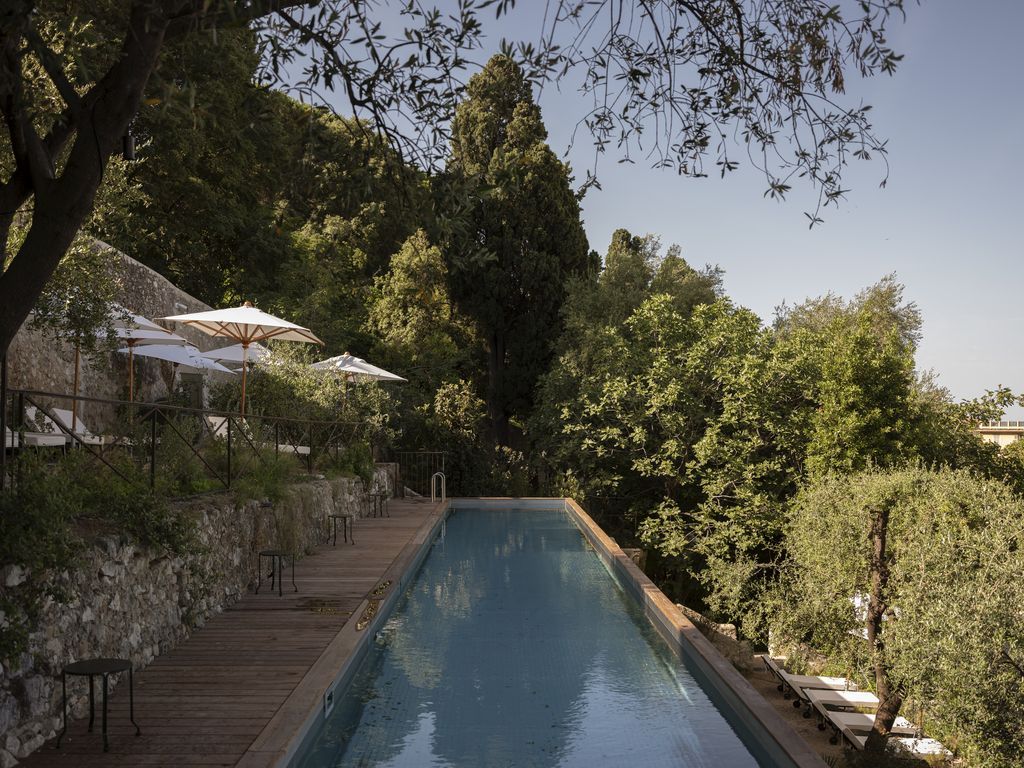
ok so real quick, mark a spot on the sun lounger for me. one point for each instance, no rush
(822, 699)
(62, 426)
(795, 685)
(855, 726)
(81, 432)
(219, 428)
(32, 440)
(824, 703)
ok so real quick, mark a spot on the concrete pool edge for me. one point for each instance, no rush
(282, 738)
(772, 733)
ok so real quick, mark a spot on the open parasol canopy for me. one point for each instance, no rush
(235, 353)
(140, 331)
(246, 325)
(178, 354)
(355, 369)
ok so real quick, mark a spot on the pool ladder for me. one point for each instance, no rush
(433, 487)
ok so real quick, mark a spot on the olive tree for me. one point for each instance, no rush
(914, 576)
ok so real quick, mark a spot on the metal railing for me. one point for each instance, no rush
(156, 444)
(416, 470)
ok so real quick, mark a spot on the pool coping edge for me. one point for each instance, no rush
(677, 630)
(281, 739)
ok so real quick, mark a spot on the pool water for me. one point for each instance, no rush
(514, 646)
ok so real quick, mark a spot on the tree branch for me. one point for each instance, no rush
(196, 15)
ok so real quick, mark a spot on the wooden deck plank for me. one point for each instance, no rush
(205, 701)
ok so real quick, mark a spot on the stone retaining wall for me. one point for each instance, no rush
(36, 361)
(127, 601)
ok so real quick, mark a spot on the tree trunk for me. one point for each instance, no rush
(496, 388)
(61, 204)
(890, 699)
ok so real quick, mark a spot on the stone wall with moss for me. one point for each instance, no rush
(127, 601)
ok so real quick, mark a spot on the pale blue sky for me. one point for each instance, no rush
(948, 223)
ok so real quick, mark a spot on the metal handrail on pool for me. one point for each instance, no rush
(433, 487)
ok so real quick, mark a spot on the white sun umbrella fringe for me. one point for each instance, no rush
(246, 325)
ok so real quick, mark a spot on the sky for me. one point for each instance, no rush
(948, 222)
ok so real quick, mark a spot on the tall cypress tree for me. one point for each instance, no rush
(523, 239)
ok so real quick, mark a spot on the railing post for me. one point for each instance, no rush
(152, 449)
(229, 451)
(3, 421)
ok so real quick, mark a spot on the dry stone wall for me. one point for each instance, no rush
(128, 601)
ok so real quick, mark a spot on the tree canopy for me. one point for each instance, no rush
(72, 80)
(523, 239)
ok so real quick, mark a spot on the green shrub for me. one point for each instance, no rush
(354, 460)
(36, 533)
(266, 476)
(54, 507)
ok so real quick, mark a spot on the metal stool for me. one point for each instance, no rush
(379, 502)
(276, 557)
(104, 668)
(347, 522)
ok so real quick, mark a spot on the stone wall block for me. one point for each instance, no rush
(130, 601)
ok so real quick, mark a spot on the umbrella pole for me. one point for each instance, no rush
(131, 371)
(74, 398)
(245, 365)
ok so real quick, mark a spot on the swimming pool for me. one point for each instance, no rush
(513, 645)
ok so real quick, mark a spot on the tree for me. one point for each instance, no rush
(914, 576)
(71, 83)
(523, 240)
(213, 152)
(69, 91)
(412, 314)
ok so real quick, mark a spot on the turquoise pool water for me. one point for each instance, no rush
(514, 646)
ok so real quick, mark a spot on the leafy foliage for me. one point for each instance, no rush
(523, 240)
(48, 516)
(953, 630)
(701, 426)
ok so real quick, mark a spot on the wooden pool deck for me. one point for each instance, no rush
(227, 694)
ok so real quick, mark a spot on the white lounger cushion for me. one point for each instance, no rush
(84, 433)
(817, 683)
(862, 721)
(824, 698)
(798, 683)
(33, 439)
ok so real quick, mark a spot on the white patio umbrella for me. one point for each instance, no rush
(132, 329)
(236, 353)
(122, 318)
(178, 354)
(355, 369)
(246, 325)
(134, 337)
